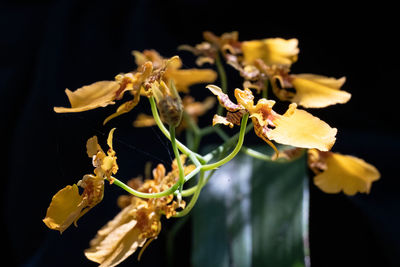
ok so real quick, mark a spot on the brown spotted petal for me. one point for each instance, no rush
(93, 192)
(224, 99)
(217, 119)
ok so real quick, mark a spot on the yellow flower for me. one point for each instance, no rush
(207, 52)
(273, 51)
(183, 78)
(311, 91)
(67, 205)
(104, 93)
(295, 127)
(336, 172)
(139, 220)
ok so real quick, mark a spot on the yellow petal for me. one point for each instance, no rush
(109, 165)
(245, 98)
(300, 129)
(183, 79)
(272, 51)
(346, 173)
(124, 108)
(64, 208)
(98, 94)
(315, 91)
(144, 120)
(148, 55)
(92, 146)
(110, 138)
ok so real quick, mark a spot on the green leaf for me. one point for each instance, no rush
(252, 213)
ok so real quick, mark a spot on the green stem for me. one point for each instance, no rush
(190, 191)
(228, 143)
(255, 154)
(136, 193)
(242, 132)
(193, 201)
(177, 157)
(196, 131)
(164, 193)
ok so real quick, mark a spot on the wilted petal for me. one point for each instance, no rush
(346, 173)
(183, 79)
(116, 241)
(315, 91)
(64, 208)
(300, 129)
(272, 51)
(93, 191)
(98, 94)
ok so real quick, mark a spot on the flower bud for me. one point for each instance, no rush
(169, 103)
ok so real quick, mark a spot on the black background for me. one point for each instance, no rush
(47, 46)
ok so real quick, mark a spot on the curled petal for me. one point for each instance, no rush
(346, 173)
(124, 108)
(110, 138)
(273, 51)
(200, 61)
(224, 99)
(315, 91)
(98, 94)
(64, 209)
(300, 129)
